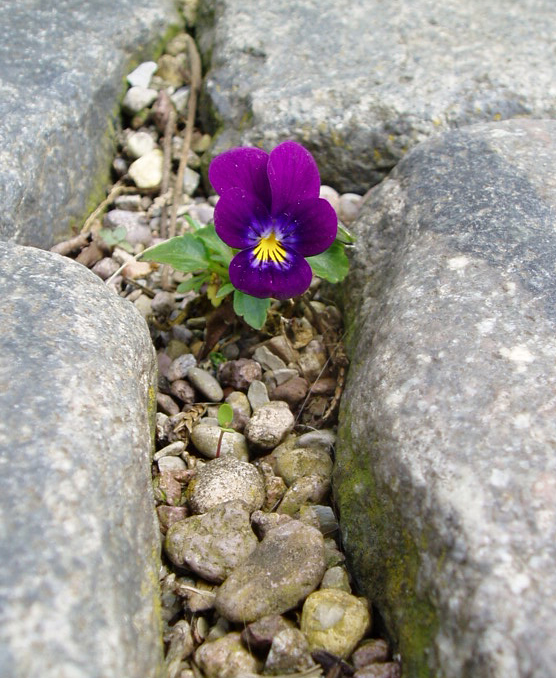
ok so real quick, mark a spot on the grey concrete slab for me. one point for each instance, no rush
(79, 541)
(360, 83)
(62, 68)
(446, 456)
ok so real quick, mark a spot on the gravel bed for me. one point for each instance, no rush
(254, 580)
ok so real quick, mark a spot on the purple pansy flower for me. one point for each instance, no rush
(270, 210)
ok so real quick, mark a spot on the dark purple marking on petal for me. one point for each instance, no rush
(281, 281)
(293, 176)
(240, 218)
(244, 168)
(309, 227)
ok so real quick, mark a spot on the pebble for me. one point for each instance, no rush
(137, 98)
(281, 346)
(180, 98)
(167, 489)
(332, 195)
(142, 303)
(170, 464)
(385, 670)
(163, 303)
(334, 621)
(273, 378)
(183, 390)
(336, 578)
(312, 360)
(168, 515)
(225, 479)
(139, 144)
(257, 395)
(167, 404)
(348, 208)
(212, 544)
(259, 634)
(138, 269)
(206, 384)
(289, 653)
(175, 348)
(180, 367)
(191, 180)
(267, 359)
(172, 450)
(292, 391)
(292, 463)
(239, 374)
(269, 425)
(308, 489)
(226, 657)
(370, 651)
(239, 403)
(146, 171)
(130, 202)
(205, 437)
(283, 569)
(171, 69)
(323, 438)
(141, 76)
(105, 268)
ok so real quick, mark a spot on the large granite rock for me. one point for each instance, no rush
(361, 83)
(62, 66)
(78, 539)
(446, 459)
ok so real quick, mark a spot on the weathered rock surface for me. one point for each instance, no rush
(284, 568)
(446, 474)
(214, 543)
(78, 534)
(61, 70)
(361, 83)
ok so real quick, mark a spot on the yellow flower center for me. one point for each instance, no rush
(269, 248)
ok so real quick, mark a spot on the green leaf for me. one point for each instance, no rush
(332, 264)
(251, 309)
(224, 291)
(225, 415)
(193, 283)
(119, 233)
(108, 236)
(221, 252)
(344, 235)
(184, 253)
(195, 225)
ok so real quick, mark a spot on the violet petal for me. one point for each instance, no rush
(293, 176)
(244, 168)
(310, 226)
(281, 281)
(239, 218)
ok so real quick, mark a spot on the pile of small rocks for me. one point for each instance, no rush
(253, 581)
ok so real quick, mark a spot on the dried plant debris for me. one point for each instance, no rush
(253, 581)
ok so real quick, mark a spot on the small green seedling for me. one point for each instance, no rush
(225, 417)
(117, 236)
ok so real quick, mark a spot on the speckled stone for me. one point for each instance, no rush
(448, 420)
(303, 71)
(77, 379)
(284, 568)
(225, 479)
(62, 66)
(334, 621)
(212, 544)
(269, 425)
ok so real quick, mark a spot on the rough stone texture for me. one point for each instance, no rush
(78, 536)
(360, 83)
(446, 472)
(284, 568)
(214, 543)
(61, 76)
